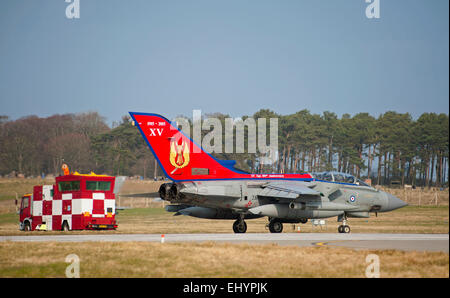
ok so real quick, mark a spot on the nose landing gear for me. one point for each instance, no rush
(344, 228)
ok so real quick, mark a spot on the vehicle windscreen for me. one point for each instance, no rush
(98, 185)
(69, 186)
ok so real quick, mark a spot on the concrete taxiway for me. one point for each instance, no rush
(419, 242)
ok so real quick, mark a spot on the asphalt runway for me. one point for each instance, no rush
(407, 242)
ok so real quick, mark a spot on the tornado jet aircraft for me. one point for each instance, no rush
(205, 187)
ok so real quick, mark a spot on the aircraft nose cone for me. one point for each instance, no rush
(394, 203)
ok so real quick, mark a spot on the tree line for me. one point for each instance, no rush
(390, 148)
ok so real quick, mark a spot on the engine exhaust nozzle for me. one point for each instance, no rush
(162, 191)
(173, 192)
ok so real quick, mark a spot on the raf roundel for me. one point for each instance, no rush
(352, 199)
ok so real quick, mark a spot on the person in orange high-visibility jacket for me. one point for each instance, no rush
(65, 168)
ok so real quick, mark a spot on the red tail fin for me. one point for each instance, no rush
(179, 157)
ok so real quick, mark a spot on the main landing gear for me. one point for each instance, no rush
(275, 225)
(240, 226)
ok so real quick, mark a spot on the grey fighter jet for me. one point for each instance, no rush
(205, 187)
(329, 194)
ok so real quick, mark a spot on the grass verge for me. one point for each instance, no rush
(190, 260)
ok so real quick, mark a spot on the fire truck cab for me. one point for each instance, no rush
(75, 202)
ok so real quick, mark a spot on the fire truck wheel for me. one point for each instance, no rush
(27, 226)
(65, 227)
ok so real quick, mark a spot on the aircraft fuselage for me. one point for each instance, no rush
(251, 198)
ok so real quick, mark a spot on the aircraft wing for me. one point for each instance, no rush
(287, 190)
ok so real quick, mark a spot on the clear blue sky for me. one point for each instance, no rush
(233, 56)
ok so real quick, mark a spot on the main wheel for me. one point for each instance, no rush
(341, 229)
(240, 226)
(275, 226)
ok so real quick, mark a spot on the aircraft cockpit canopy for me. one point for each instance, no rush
(339, 177)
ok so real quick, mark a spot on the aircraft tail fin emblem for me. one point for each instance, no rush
(179, 154)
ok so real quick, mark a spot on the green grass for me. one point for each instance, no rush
(9, 218)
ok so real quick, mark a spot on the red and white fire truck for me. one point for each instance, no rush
(75, 202)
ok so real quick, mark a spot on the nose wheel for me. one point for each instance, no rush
(344, 229)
